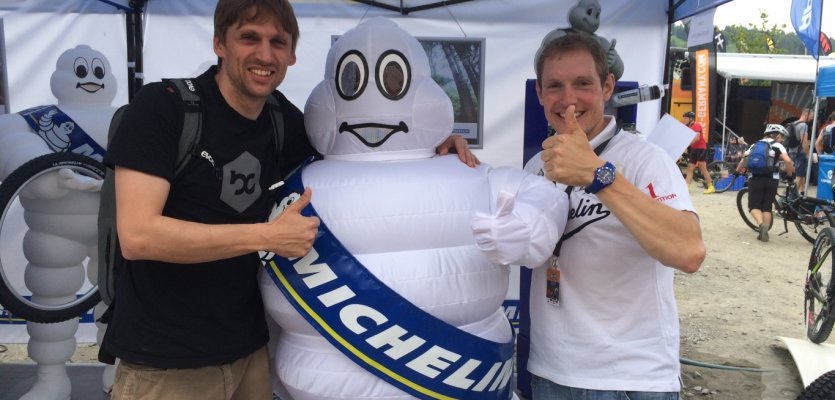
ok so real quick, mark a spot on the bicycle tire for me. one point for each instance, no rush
(11, 187)
(715, 169)
(809, 230)
(742, 207)
(819, 272)
(822, 388)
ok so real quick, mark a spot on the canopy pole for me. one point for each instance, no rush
(815, 115)
(725, 118)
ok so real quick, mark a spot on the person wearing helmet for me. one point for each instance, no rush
(762, 188)
(697, 152)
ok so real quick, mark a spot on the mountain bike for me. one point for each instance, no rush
(718, 170)
(19, 303)
(810, 215)
(820, 288)
(723, 174)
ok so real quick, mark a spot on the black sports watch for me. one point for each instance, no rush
(603, 176)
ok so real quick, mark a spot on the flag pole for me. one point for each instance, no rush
(817, 103)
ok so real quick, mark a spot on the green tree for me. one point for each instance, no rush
(759, 39)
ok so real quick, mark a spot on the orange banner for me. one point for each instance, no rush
(701, 91)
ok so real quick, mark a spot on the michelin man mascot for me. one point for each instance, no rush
(401, 295)
(585, 17)
(61, 213)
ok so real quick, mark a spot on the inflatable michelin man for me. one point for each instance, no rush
(406, 301)
(62, 219)
(585, 17)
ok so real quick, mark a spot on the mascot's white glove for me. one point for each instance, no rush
(68, 179)
(55, 185)
(504, 237)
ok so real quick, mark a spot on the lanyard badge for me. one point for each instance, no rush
(552, 283)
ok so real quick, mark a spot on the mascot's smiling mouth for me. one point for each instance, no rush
(373, 137)
(89, 87)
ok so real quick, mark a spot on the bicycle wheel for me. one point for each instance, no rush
(15, 302)
(818, 289)
(821, 388)
(742, 207)
(810, 229)
(722, 175)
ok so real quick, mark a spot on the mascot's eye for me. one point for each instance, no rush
(80, 67)
(590, 11)
(393, 75)
(98, 68)
(351, 75)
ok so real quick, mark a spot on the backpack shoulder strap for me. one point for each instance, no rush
(277, 119)
(192, 121)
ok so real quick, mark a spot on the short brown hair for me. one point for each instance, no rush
(230, 12)
(571, 41)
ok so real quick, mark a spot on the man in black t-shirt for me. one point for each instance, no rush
(189, 315)
(188, 322)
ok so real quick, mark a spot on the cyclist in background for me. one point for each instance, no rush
(823, 144)
(697, 153)
(762, 188)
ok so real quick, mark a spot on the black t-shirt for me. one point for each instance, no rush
(192, 315)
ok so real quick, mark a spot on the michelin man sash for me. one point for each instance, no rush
(380, 330)
(60, 132)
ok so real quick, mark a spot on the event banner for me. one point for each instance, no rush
(703, 58)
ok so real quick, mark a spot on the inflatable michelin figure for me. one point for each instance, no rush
(62, 218)
(406, 301)
(585, 17)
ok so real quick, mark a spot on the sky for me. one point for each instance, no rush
(742, 12)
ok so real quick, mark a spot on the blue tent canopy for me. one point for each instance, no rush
(826, 81)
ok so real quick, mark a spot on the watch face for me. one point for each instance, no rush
(605, 175)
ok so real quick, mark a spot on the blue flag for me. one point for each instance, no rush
(806, 19)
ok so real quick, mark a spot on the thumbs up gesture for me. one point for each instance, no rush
(567, 156)
(291, 234)
(503, 236)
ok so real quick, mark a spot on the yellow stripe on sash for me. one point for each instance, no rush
(347, 345)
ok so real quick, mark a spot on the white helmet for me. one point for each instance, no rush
(776, 128)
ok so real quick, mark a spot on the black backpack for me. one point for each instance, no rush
(109, 252)
(793, 139)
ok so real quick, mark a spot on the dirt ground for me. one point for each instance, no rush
(732, 311)
(746, 294)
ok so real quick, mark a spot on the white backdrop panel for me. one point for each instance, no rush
(178, 40)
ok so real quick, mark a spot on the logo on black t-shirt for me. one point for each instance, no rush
(241, 179)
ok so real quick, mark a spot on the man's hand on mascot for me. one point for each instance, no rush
(567, 156)
(503, 237)
(291, 233)
(457, 144)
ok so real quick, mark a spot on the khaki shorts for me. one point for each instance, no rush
(245, 379)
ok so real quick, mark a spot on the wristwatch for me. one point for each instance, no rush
(603, 176)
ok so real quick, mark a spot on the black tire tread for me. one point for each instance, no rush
(8, 192)
(822, 388)
(826, 238)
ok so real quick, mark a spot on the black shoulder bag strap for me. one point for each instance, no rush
(597, 150)
(277, 120)
(192, 122)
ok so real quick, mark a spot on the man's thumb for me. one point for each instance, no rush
(301, 203)
(571, 121)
